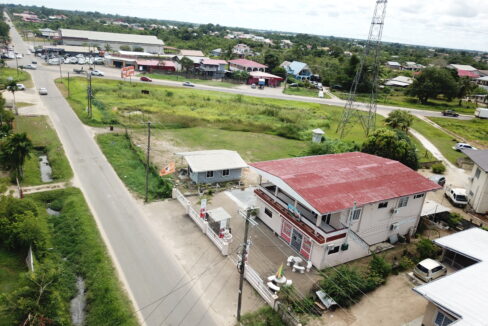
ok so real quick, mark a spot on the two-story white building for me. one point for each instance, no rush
(477, 189)
(331, 208)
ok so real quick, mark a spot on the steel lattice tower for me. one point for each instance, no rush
(371, 52)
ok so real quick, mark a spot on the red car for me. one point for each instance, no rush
(146, 79)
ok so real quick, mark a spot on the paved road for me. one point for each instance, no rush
(146, 266)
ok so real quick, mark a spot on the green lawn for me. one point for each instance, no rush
(21, 76)
(474, 130)
(439, 138)
(192, 80)
(45, 141)
(11, 266)
(397, 98)
(129, 163)
(301, 91)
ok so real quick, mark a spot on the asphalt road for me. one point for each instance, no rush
(148, 269)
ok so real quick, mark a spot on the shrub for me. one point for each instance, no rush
(426, 249)
(265, 316)
(346, 285)
(289, 130)
(379, 266)
(438, 168)
(405, 263)
(454, 220)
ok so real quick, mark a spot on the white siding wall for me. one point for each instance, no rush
(478, 187)
(116, 45)
(324, 260)
(273, 222)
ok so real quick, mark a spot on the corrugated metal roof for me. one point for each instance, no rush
(331, 183)
(147, 62)
(468, 73)
(192, 53)
(262, 74)
(464, 67)
(213, 160)
(110, 37)
(463, 293)
(214, 62)
(295, 67)
(479, 157)
(247, 63)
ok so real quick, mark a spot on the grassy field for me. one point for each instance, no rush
(475, 130)
(75, 236)
(301, 91)
(46, 142)
(397, 98)
(130, 166)
(439, 138)
(20, 76)
(192, 80)
(11, 266)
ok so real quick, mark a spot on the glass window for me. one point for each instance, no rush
(383, 204)
(442, 319)
(356, 214)
(333, 250)
(477, 173)
(268, 212)
(403, 202)
(225, 173)
(418, 196)
(209, 174)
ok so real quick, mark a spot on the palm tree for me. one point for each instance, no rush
(14, 152)
(12, 87)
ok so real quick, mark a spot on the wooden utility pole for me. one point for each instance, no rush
(242, 265)
(147, 158)
(68, 84)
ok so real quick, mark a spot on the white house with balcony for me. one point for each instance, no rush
(477, 188)
(331, 208)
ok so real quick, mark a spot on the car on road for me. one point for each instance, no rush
(429, 269)
(457, 196)
(21, 87)
(146, 79)
(187, 83)
(19, 55)
(30, 66)
(97, 73)
(461, 146)
(450, 113)
(42, 91)
(439, 179)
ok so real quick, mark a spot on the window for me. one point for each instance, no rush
(436, 269)
(442, 320)
(326, 218)
(225, 173)
(356, 214)
(333, 250)
(418, 196)
(268, 212)
(383, 204)
(209, 174)
(477, 173)
(403, 202)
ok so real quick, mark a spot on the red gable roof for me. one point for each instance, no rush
(247, 63)
(147, 62)
(331, 183)
(467, 73)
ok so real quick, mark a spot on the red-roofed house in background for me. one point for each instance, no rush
(332, 208)
(465, 71)
(246, 65)
(213, 67)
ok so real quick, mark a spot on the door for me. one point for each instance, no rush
(296, 240)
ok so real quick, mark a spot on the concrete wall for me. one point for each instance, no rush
(201, 177)
(431, 313)
(478, 191)
(116, 45)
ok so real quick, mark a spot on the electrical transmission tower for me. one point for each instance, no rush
(371, 53)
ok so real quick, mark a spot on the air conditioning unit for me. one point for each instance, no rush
(394, 226)
(395, 210)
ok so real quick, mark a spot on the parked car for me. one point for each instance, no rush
(457, 196)
(253, 86)
(97, 73)
(146, 79)
(450, 113)
(30, 66)
(21, 87)
(439, 179)
(42, 91)
(187, 83)
(460, 146)
(19, 55)
(429, 269)
(293, 85)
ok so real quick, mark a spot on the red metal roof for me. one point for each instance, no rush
(331, 183)
(147, 62)
(167, 63)
(467, 73)
(214, 62)
(247, 63)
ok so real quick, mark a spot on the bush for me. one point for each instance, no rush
(426, 249)
(379, 266)
(405, 264)
(265, 316)
(454, 220)
(346, 285)
(438, 168)
(289, 130)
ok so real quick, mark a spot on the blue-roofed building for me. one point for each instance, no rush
(297, 69)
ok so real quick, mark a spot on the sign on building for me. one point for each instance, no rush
(127, 72)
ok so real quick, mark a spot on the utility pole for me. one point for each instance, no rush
(147, 158)
(89, 90)
(59, 60)
(242, 265)
(68, 84)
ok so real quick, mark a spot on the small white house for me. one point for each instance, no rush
(331, 208)
(477, 189)
(214, 166)
(394, 65)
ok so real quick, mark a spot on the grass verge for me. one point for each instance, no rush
(439, 138)
(474, 130)
(46, 142)
(76, 237)
(182, 79)
(265, 316)
(11, 266)
(129, 164)
(301, 91)
(19, 75)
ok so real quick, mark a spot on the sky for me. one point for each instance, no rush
(437, 23)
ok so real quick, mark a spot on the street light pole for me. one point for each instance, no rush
(242, 265)
(147, 158)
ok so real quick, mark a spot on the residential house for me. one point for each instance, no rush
(212, 67)
(214, 166)
(191, 53)
(394, 65)
(246, 65)
(155, 65)
(459, 298)
(483, 82)
(332, 208)
(242, 49)
(48, 33)
(298, 70)
(264, 78)
(216, 52)
(412, 66)
(477, 189)
(286, 44)
(399, 81)
(465, 71)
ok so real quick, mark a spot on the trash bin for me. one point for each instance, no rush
(111, 128)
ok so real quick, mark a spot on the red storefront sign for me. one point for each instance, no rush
(306, 247)
(286, 230)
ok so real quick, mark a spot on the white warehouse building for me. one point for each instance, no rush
(149, 43)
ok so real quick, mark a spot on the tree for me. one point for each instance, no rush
(12, 87)
(13, 152)
(431, 83)
(399, 119)
(271, 60)
(332, 146)
(6, 119)
(279, 71)
(108, 47)
(392, 144)
(466, 88)
(125, 47)
(187, 64)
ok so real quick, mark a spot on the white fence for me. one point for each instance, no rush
(222, 244)
(258, 284)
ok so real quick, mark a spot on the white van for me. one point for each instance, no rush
(429, 269)
(457, 196)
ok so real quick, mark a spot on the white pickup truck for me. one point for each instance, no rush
(457, 196)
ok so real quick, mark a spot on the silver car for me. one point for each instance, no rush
(42, 91)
